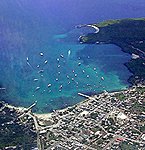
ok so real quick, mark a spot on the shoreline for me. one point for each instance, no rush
(125, 64)
(56, 122)
(88, 25)
(40, 115)
(48, 115)
(130, 80)
(109, 34)
(50, 123)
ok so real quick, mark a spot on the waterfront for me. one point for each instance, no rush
(25, 74)
(105, 121)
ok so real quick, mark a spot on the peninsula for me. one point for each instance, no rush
(129, 34)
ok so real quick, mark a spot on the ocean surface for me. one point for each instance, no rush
(40, 56)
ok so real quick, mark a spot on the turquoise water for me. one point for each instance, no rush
(66, 67)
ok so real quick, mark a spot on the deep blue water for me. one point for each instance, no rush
(28, 28)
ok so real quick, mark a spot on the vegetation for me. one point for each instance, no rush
(141, 90)
(12, 133)
(111, 22)
(127, 146)
(120, 96)
(94, 115)
(129, 34)
(138, 107)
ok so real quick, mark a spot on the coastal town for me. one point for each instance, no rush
(106, 121)
(72, 75)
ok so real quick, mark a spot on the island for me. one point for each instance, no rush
(129, 35)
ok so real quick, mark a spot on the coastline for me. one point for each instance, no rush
(131, 44)
(125, 64)
(102, 41)
(50, 123)
(48, 115)
(88, 25)
(44, 124)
